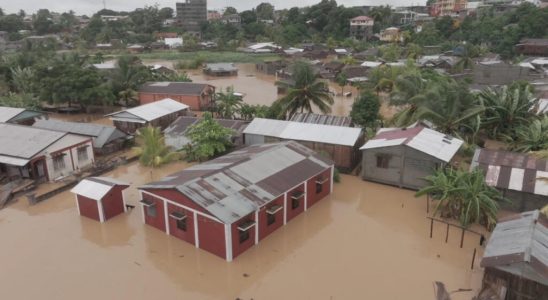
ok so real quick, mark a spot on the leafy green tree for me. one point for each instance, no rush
(152, 149)
(227, 104)
(265, 11)
(230, 11)
(391, 52)
(20, 100)
(365, 110)
(207, 139)
(11, 23)
(42, 22)
(341, 80)
(129, 76)
(464, 196)
(307, 92)
(165, 13)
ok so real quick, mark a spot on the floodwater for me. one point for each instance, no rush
(365, 241)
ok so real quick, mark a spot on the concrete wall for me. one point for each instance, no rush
(70, 158)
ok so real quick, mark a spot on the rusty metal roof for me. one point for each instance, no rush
(174, 88)
(422, 139)
(513, 171)
(321, 119)
(519, 245)
(235, 185)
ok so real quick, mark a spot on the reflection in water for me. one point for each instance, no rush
(359, 243)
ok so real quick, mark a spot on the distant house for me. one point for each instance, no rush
(29, 152)
(501, 73)
(159, 69)
(232, 19)
(229, 204)
(535, 47)
(135, 48)
(340, 143)
(270, 67)
(355, 73)
(262, 48)
(390, 34)
(404, 156)
(198, 96)
(322, 119)
(370, 53)
(175, 134)
(100, 198)
(166, 35)
(361, 27)
(158, 114)
(516, 258)
(106, 139)
(221, 69)
(519, 176)
(19, 115)
(173, 42)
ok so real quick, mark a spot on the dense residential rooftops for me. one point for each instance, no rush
(321, 119)
(149, 112)
(96, 188)
(234, 185)
(289, 130)
(519, 245)
(102, 134)
(12, 114)
(422, 139)
(174, 88)
(513, 171)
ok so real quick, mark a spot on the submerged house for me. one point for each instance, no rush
(158, 114)
(18, 115)
(340, 143)
(100, 198)
(106, 139)
(40, 154)
(404, 156)
(518, 176)
(175, 134)
(227, 205)
(198, 96)
(221, 69)
(516, 258)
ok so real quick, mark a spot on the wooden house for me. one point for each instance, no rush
(100, 198)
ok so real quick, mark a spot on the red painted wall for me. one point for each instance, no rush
(237, 247)
(192, 101)
(212, 236)
(292, 213)
(158, 221)
(176, 196)
(88, 207)
(264, 228)
(113, 202)
(312, 197)
(187, 235)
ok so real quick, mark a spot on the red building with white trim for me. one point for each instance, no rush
(227, 205)
(100, 198)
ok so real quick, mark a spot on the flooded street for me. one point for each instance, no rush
(365, 241)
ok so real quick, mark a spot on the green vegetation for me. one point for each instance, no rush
(204, 56)
(152, 149)
(207, 139)
(227, 104)
(365, 110)
(463, 196)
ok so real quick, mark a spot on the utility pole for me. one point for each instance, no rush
(104, 4)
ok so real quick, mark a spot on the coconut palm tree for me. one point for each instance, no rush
(464, 196)
(506, 109)
(307, 92)
(152, 149)
(227, 104)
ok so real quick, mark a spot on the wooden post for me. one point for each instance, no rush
(473, 258)
(431, 227)
(427, 203)
(462, 238)
(447, 233)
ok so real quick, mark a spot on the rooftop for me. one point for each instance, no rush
(289, 130)
(96, 188)
(148, 112)
(422, 139)
(174, 88)
(8, 114)
(519, 245)
(221, 67)
(321, 119)
(234, 185)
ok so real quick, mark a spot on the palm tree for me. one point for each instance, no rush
(129, 75)
(506, 109)
(306, 92)
(464, 196)
(152, 149)
(227, 104)
(530, 137)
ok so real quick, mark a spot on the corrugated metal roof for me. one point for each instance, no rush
(175, 133)
(218, 67)
(151, 111)
(422, 139)
(519, 245)
(174, 88)
(96, 187)
(336, 135)
(101, 134)
(321, 119)
(24, 142)
(8, 113)
(235, 185)
(513, 171)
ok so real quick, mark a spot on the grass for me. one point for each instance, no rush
(210, 56)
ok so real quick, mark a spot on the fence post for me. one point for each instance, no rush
(473, 259)
(462, 238)
(447, 233)
(427, 203)
(431, 227)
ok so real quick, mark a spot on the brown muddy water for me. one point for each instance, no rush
(365, 241)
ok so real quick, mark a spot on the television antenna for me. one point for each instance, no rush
(104, 4)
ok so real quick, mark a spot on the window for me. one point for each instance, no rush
(244, 228)
(151, 211)
(82, 154)
(181, 224)
(319, 187)
(244, 236)
(59, 162)
(295, 203)
(383, 161)
(270, 219)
